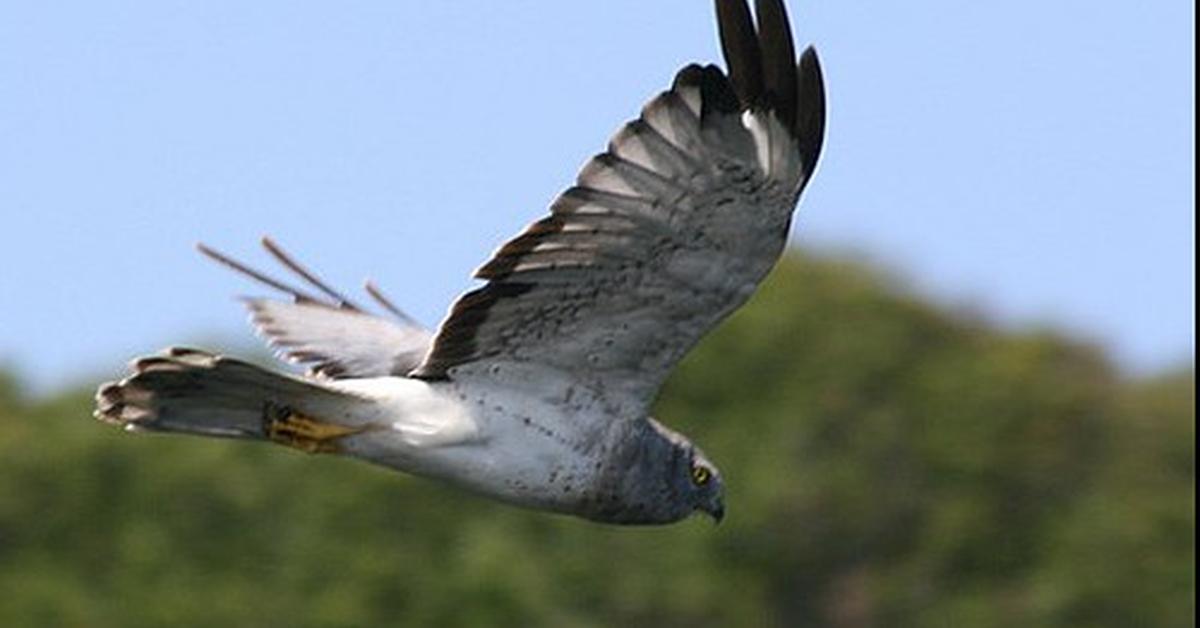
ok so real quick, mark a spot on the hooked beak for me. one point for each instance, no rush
(716, 510)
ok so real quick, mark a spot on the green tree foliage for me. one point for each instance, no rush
(888, 463)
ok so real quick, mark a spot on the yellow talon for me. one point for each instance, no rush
(295, 430)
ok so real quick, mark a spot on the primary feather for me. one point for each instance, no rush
(664, 234)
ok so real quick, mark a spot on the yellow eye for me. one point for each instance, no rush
(700, 475)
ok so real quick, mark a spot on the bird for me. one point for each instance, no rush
(537, 388)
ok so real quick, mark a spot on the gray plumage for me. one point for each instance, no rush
(536, 388)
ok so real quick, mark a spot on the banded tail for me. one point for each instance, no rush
(193, 392)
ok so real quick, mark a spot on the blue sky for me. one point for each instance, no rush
(1032, 160)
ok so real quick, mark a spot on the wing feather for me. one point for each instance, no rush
(739, 42)
(664, 234)
(810, 118)
(334, 336)
(779, 59)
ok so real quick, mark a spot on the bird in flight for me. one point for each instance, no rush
(536, 389)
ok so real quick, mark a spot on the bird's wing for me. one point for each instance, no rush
(664, 234)
(331, 334)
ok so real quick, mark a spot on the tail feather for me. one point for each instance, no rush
(190, 391)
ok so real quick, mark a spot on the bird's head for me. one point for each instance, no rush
(694, 480)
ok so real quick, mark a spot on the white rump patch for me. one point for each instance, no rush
(422, 416)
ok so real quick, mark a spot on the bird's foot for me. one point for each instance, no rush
(287, 427)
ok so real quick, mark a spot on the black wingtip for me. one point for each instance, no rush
(762, 62)
(778, 59)
(764, 72)
(690, 76)
(810, 119)
(743, 56)
(717, 94)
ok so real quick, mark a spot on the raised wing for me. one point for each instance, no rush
(663, 235)
(331, 334)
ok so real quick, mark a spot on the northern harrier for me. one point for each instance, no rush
(537, 388)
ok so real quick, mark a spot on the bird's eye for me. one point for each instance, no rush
(700, 475)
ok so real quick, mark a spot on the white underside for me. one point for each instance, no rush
(515, 446)
(420, 415)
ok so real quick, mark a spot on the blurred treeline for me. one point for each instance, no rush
(888, 463)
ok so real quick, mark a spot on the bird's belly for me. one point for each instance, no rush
(521, 450)
(530, 472)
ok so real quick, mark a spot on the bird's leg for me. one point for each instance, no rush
(287, 427)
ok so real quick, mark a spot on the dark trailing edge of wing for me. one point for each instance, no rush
(763, 75)
(455, 341)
